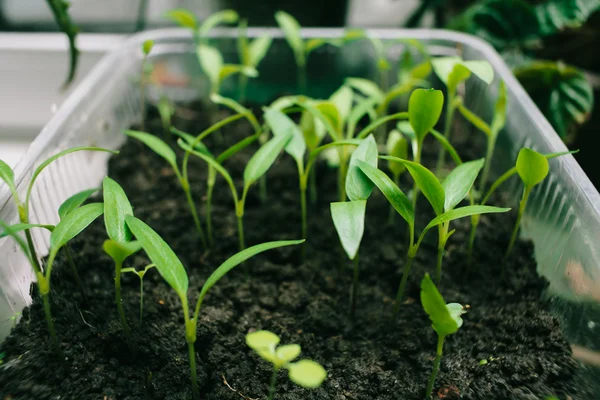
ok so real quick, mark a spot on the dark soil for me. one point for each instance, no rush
(376, 356)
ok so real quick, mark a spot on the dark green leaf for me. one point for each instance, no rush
(281, 125)
(264, 158)
(74, 201)
(532, 167)
(119, 251)
(116, 208)
(349, 221)
(557, 15)
(458, 183)
(358, 186)
(424, 110)
(73, 224)
(183, 18)
(156, 145)
(443, 321)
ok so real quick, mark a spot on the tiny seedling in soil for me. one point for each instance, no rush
(306, 373)
(144, 79)
(140, 274)
(445, 320)
(251, 53)
(173, 272)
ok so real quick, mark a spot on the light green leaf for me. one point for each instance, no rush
(331, 114)
(447, 146)
(397, 146)
(156, 145)
(74, 201)
(281, 125)
(391, 191)
(362, 108)
(220, 17)
(7, 175)
(189, 139)
(532, 167)
(211, 61)
(166, 110)
(482, 69)
(258, 49)
(262, 340)
(342, 98)
(443, 322)
(237, 107)
(183, 17)
(458, 183)
(119, 251)
(287, 353)
(167, 263)
(421, 71)
(358, 187)
(291, 30)
(147, 46)
(349, 221)
(462, 212)
(443, 67)
(21, 227)
(307, 373)
(499, 119)
(475, 120)
(453, 70)
(116, 208)
(263, 159)
(73, 224)
(366, 87)
(232, 69)
(424, 110)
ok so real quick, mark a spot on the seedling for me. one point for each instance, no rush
(445, 320)
(251, 53)
(144, 78)
(60, 11)
(140, 274)
(186, 19)
(452, 71)
(396, 146)
(306, 373)
(166, 110)
(173, 272)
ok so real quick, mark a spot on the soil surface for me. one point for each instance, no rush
(375, 356)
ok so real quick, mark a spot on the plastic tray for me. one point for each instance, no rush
(563, 216)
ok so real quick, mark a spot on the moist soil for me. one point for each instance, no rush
(376, 355)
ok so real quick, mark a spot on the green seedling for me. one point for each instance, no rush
(173, 272)
(251, 53)
(530, 166)
(166, 110)
(349, 216)
(306, 373)
(396, 146)
(443, 198)
(119, 245)
(445, 320)
(60, 11)
(140, 274)
(452, 71)
(257, 166)
(144, 79)
(187, 20)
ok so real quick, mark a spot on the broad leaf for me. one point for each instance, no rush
(147, 46)
(21, 227)
(453, 70)
(482, 69)
(342, 98)
(557, 15)
(73, 224)
(287, 353)
(397, 146)
(264, 158)
(367, 87)
(424, 110)
(232, 69)
(358, 187)
(156, 145)
(74, 201)
(391, 191)
(220, 17)
(281, 125)
(183, 18)
(211, 62)
(560, 91)
(532, 167)
(167, 263)
(462, 212)
(307, 373)
(258, 49)
(349, 221)
(116, 208)
(260, 340)
(443, 321)
(458, 183)
(291, 30)
(119, 251)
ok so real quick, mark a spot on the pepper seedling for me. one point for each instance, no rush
(173, 272)
(306, 373)
(251, 53)
(445, 320)
(188, 20)
(452, 71)
(349, 216)
(140, 274)
(144, 78)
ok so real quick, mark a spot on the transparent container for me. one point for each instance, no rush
(563, 214)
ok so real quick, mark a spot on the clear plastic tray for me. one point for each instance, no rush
(563, 216)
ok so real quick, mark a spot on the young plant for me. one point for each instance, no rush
(187, 20)
(173, 272)
(349, 216)
(306, 373)
(452, 71)
(251, 53)
(144, 78)
(257, 166)
(445, 320)
(166, 110)
(140, 274)
(396, 146)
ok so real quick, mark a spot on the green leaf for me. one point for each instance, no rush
(443, 322)
(237, 107)
(307, 373)
(239, 258)
(391, 191)
(258, 49)
(74, 201)
(424, 110)
(232, 69)
(291, 30)
(281, 125)
(287, 353)
(342, 98)
(427, 182)
(453, 70)
(211, 61)
(462, 212)
(358, 187)
(156, 145)
(315, 43)
(331, 114)
(482, 69)
(499, 119)
(220, 17)
(397, 146)
(557, 15)
(447, 146)
(189, 139)
(259, 340)
(167, 263)
(366, 87)
(236, 148)
(116, 208)
(560, 91)
(263, 159)
(21, 227)
(7, 175)
(349, 221)
(166, 110)
(458, 183)
(312, 130)
(73, 224)
(362, 108)
(147, 46)
(119, 251)
(475, 120)
(532, 167)
(183, 17)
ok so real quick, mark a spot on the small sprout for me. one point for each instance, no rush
(144, 79)
(140, 275)
(173, 272)
(251, 53)
(483, 362)
(216, 70)
(305, 373)
(445, 318)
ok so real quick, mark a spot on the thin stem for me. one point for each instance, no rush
(262, 187)
(119, 301)
(402, 286)
(436, 365)
(472, 237)
(354, 288)
(450, 109)
(50, 322)
(442, 238)
(489, 154)
(312, 182)
(304, 218)
(143, 95)
(302, 78)
(192, 206)
(243, 86)
(415, 192)
(515, 231)
(392, 214)
(209, 194)
(35, 263)
(240, 224)
(193, 373)
(74, 270)
(141, 300)
(272, 384)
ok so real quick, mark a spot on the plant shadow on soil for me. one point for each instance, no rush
(376, 356)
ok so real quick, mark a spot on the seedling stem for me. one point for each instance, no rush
(436, 365)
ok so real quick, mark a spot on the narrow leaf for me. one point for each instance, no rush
(475, 120)
(116, 208)
(74, 201)
(458, 183)
(281, 125)
(236, 148)
(264, 158)
(291, 30)
(499, 119)
(532, 167)
(7, 175)
(442, 321)
(349, 221)
(21, 227)
(73, 224)
(211, 62)
(461, 213)
(258, 49)
(182, 17)
(156, 145)
(232, 69)
(220, 17)
(447, 146)
(189, 139)
(358, 186)
(424, 110)
(367, 87)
